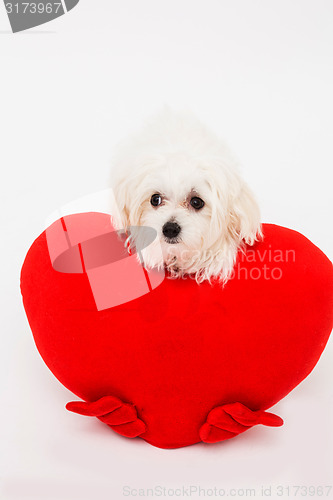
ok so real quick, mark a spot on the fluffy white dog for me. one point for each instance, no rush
(178, 178)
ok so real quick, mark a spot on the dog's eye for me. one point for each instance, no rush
(156, 200)
(197, 203)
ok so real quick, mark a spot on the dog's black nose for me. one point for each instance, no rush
(171, 229)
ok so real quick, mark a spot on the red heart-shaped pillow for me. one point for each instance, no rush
(172, 361)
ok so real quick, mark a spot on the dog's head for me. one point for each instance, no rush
(191, 193)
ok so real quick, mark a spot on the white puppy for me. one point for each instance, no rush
(178, 178)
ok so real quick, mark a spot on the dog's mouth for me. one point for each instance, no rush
(172, 241)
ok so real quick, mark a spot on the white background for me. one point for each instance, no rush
(260, 73)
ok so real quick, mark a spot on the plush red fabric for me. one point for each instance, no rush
(177, 362)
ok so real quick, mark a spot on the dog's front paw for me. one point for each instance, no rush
(227, 421)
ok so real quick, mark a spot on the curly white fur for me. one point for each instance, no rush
(177, 157)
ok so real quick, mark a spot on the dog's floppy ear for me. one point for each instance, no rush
(127, 201)
(120, 211)
(245, 216)
(234, 207)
